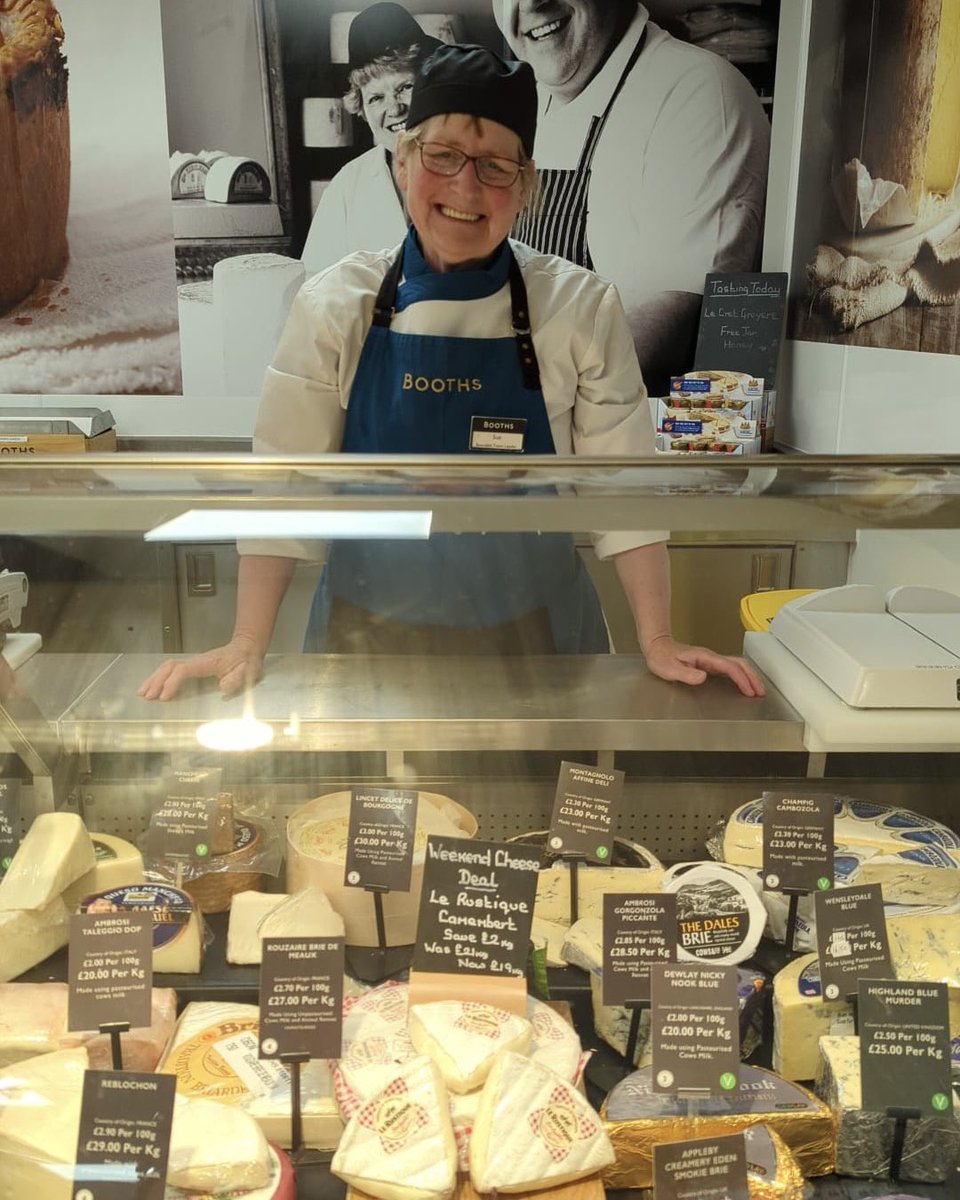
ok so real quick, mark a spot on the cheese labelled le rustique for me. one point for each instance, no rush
(400, 1144)
(463, 1038)
(28, 937)
(533, 1131)
(177, 928)
(55, 852)
(931, 1149)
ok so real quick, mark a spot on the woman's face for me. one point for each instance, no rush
(386, 102)
(460, 220)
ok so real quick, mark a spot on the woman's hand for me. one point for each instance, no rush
(236, 665)
(681, 663)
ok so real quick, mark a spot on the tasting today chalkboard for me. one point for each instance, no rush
(741, 323)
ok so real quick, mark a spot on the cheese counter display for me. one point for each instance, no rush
(452, 1097)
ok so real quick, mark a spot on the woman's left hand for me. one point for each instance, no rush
(681, 663)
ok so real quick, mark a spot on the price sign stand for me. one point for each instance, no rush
(692, 1096)
(900, 1117)
(790, 936)
(637, 1008)
(311, 1168)
(573, 861)
(114, 1029)
(371, 964)
(295, 1063)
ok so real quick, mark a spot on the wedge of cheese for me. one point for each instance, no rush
(247, 910)
(463, 1038)
(555, 1043)
(28, 937)
(400, 1144)
(367, 1067)
(55, 853)
(215, 1148)
(118, 862)
(307, 913)
(177, 927)
(533, 1130)
(593, 883)
(931, 1151)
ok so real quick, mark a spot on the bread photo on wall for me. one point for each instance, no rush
(34, 148)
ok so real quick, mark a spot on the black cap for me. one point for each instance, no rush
(385, 28)
(474, 80)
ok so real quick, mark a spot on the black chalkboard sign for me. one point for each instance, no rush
(741, 323)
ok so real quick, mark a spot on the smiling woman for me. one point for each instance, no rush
(361, 208)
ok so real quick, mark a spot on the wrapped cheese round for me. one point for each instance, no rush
(316, 854)
(720, 916)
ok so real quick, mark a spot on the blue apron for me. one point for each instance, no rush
(421, 394)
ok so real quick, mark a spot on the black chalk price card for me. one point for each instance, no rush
(183, 824)
(9, 822)
(851, 939)
(301, 997)
(585, 812)
(110, 969)
(904, 1046)
(476, 906)
(380, 841)
(638, 929)
(741, 323)
(695, 1027)
(124, 1139)
(706, 1169)
(797, 842)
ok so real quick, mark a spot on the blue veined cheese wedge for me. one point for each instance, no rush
(931, 1149)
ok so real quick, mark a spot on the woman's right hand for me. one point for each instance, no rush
(236, 665)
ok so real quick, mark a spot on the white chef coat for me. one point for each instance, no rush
(679, 175)
(592, 386)
(359, 210)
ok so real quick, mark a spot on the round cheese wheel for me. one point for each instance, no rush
(720, 916)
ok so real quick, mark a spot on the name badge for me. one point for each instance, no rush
(503, 434)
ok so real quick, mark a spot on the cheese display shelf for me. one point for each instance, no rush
(78, 740)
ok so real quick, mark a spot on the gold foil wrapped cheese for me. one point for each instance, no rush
(772, 1171)
(637, 1118)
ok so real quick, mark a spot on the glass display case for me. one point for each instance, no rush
(116, 548)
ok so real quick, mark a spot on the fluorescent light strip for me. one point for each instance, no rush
(225, 524)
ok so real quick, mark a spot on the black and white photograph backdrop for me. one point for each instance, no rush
(653, 144)
(100, 313)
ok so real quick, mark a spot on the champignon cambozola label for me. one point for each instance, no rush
(585, 811)
(476, 906)
(797, 842)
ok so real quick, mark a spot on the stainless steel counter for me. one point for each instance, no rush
(343, 702)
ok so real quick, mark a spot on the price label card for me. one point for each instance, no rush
(476, 906)
(904, 1046)
(695, 1025)
(110, 969)
(184, 824)
(124, 1139)
(9, 822)
(380, 842)
(705, 1169)
(851, 939)
(797, 842)
(585, 812)
(637, 930)
(301, 997)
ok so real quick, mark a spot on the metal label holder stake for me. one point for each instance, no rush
(114, 1029)
(790, 935)
(637, 1008)
(574, 861)
(371, 964)
(900, 1117)
(310, 1167)
(693, 1096)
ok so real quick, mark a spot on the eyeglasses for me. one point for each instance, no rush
(492, 170)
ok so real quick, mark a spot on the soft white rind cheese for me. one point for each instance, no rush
(247, 910)
(27, 938)
(463, 1038)
(306, 913)
(214, 1147)
(400, 1144)
(56, 851)
(931, 1150)
(532, 1130)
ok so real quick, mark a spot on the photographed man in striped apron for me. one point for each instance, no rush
(652, 156)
